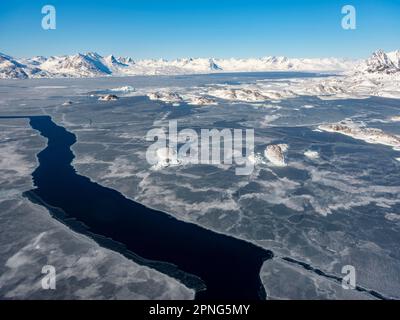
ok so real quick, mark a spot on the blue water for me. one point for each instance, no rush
(215, 265)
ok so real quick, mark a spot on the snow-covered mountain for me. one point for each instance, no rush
(79, 65)
(273, 63)
(381, 63)
(10, 68)
(92, 64)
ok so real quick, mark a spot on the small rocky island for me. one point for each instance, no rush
(109, 97)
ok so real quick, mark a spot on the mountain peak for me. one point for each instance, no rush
(213, 65)
(93, 54)
(381, 62)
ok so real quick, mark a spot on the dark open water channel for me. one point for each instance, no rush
(215, 265)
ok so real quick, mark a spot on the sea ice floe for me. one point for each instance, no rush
(395, 118)
(77, 259)
(289, 281)
(123, 89)
(311, 154)
(343, 191)
(13, 163)
(268, 119)
(51, 87)
(120, 168)
(392, 217)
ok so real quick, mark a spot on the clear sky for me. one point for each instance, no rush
(200, 28)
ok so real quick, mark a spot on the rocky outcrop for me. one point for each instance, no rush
(166, 96)
(108, 97)
(275, 154)
(370, 135)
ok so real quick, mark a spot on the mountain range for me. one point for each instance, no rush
(92, 64)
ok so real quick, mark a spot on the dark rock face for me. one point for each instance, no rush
(380, 62)
(108, 97)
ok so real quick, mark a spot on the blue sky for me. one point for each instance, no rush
(200, 28)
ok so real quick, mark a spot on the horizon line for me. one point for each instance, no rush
(197, 57)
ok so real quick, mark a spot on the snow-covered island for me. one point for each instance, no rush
(275, 154)
(108, 97)
(370, 135)
(165, 96)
